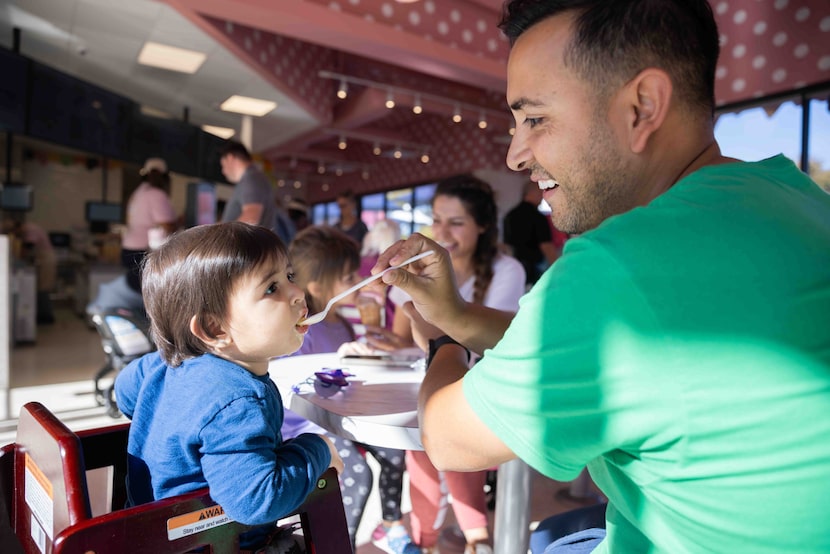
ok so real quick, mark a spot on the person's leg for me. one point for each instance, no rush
(391, 534)
(469, 504)
(567, 523)
(428, 493)
(355, 482)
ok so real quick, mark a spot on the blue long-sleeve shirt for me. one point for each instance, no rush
(211, 423)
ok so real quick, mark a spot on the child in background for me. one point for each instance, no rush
(326, 262)
(222, 302)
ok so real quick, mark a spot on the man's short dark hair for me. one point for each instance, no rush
(614, 40)
(235, 149)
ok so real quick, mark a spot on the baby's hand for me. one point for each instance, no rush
(336, 460)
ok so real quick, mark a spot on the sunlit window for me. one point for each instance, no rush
(819, 142)
(758, 133)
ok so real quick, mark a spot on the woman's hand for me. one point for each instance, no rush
(380, 338)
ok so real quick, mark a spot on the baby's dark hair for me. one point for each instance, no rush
(323, 254)
(193, 274)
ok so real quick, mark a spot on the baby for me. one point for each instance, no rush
(222, 301)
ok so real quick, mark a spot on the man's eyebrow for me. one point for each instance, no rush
(521, 103)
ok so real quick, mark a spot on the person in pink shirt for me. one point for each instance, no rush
(150, 218)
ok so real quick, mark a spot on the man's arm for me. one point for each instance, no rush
(454, 437)
(251, 213)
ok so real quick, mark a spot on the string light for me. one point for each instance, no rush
(416, 107)
(417, 98)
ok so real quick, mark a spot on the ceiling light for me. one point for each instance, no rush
(376, 149)
(325, 187)
(425, 158)
(221, 132)
(171, 57)
(417, 108)
(456, 114)
(397, 153)
(247, 106)
(298, 184)
(343, 89)
(482, 121)
(342, 144)
(321, 168)
(339, 171)
(390, 100)
(365, 174)
(292, 163)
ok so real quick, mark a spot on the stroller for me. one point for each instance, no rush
(118, 315)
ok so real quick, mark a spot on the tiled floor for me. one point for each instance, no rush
(57, 371)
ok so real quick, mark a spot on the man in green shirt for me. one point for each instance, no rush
(680, 347)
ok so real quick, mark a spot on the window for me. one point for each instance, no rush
(818, 151)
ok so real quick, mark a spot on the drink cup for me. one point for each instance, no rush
(370, 310)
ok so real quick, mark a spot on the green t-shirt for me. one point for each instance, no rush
(682, 352)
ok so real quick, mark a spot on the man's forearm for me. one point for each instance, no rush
(477, 327)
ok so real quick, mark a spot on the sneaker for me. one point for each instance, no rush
(394, 540)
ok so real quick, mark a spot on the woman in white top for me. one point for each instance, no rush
(464, 222)
(149, 212)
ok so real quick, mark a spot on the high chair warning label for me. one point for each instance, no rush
(39, 496)
(196, 522)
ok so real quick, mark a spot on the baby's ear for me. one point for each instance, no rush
(214, 337)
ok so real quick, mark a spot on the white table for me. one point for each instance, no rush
(379, 407)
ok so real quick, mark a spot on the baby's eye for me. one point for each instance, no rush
(272, 288)
(292, 276)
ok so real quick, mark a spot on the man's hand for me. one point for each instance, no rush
(430, 281)
(422, 331)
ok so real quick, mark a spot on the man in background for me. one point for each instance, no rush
(349, 222)
(528, 232)
(253, 200)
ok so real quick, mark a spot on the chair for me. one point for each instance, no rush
(124, 337)
(44, 483)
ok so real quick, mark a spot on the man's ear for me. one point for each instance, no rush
(214, 337)
(646, 100)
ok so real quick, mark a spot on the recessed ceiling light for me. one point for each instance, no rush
(171, 57)
(221, 132)
(248, 106)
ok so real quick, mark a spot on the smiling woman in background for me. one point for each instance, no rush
(464, 215)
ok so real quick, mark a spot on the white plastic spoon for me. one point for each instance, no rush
(318, 317)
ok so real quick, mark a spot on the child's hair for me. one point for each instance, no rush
(383, 234)
(193, 274)
(322, 254)
(479, 201)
